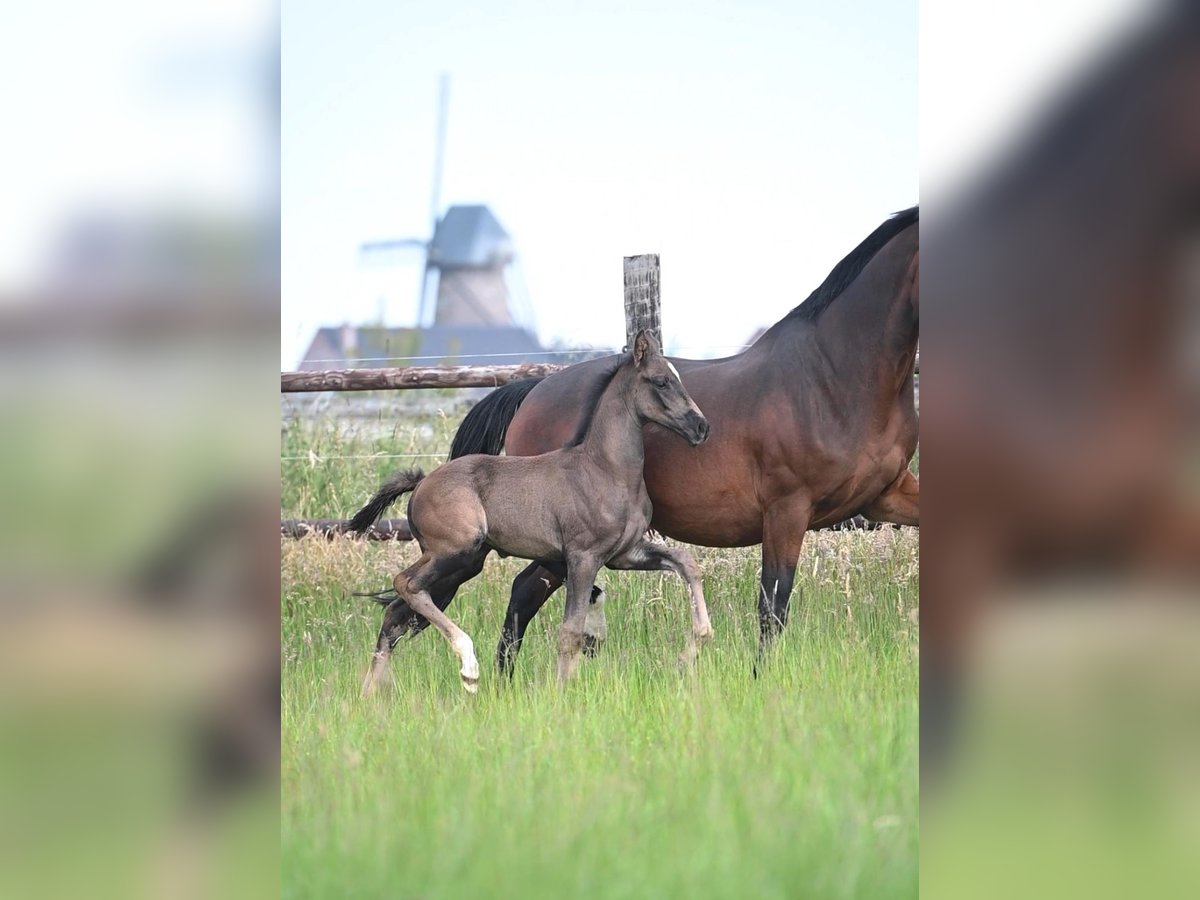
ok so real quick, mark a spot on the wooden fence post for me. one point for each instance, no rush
(642, 303)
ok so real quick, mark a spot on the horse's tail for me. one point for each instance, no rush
(389, 492)
(384, 598)
(485, 426)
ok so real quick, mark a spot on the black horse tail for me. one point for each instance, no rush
(485, 426)
(389, 492)
(386, 597)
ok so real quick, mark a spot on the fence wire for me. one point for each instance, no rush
(575, 352)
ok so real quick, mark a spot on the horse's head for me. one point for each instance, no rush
(659, 395)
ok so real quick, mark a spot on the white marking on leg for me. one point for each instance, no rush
(595, 624)
(469, 670)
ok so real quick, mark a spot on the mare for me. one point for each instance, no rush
(814, 423)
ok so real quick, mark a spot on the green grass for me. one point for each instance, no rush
(638, 780)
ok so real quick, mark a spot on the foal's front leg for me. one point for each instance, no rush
(646, 556)
(530, 591)
(581, 573)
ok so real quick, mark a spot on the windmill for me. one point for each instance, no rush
(466, 258)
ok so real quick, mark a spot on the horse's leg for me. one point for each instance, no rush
(400, 618)
(595, 626)
(581, 574)
(783, 533)
(396, 618)
(446, 587)
(531, 589)
(900, 502)
(413, 587)
(657, 557)
(459, 640)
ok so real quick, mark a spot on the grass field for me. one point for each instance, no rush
(638, 780)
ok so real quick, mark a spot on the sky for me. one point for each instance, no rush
(750, 144)
(137, 107)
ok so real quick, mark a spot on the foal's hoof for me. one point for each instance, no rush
(591, 645)
(470, 675)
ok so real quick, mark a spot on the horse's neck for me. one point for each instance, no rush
(861, 346)
(614, 440)
(869, 333)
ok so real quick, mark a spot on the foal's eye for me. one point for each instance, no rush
(660, 382)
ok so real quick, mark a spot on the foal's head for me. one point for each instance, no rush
(658, 395)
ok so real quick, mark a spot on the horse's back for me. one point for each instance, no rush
(550, 414)
(506, 502)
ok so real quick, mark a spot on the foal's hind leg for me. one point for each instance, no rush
(658, 557)
(448, 574)
(396, 620)
(443, 576)
(459, 640)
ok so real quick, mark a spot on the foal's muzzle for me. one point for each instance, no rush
(698, 426)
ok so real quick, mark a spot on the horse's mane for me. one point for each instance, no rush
(852, 264)
(592, 401)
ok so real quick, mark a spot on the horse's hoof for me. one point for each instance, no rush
(591, 645)
(470, 685)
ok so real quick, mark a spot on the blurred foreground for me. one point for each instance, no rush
(1061, 535)
(138, 582)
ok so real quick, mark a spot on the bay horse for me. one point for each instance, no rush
(814, 423)
(574, 509)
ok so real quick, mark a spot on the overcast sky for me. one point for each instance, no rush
(751, 144)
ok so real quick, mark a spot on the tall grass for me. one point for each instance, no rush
(638, 780)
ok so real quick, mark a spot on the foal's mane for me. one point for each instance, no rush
(852, 265)
(592, 401)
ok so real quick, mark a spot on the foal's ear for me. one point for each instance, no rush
(644, 346)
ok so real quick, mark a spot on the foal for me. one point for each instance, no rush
(573, 510)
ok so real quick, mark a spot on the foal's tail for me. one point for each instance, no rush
(485, 426)
(389, 492)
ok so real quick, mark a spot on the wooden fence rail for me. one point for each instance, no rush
(416, 377)
(412, 377)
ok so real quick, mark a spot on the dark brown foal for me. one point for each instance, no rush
(575, 509)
